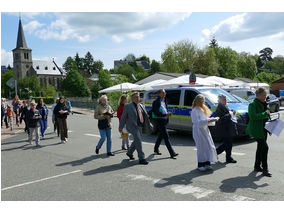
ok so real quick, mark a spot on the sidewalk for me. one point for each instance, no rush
(7, 133)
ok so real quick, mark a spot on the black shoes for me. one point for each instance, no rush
(130, 156)
(97, 151)
(110, 154)
(157, 152)
(231, 161)
(258, 169)
(266, 173)
(174, 155)
(143, 161)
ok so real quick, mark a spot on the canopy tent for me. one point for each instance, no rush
(124, 87)
(184, 79)
(149, 85)
(222, 81)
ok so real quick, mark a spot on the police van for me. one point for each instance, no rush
(180, 100)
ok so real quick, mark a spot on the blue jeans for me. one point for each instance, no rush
(105, 133)
(43, 126)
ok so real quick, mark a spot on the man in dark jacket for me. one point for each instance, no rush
(25, 116)
(34, 125)
(161, 115)
(225, 128)
(258, 115)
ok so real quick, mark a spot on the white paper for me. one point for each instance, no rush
(275, 127)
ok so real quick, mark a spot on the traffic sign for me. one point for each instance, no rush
(11, 83)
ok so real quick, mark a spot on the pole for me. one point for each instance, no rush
(16, 89)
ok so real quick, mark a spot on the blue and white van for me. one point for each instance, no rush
(180, 105)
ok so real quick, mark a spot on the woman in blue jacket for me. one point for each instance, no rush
(43, 110)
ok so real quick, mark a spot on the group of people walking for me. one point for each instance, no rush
(134, 120)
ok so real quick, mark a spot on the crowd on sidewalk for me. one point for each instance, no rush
(135, 120)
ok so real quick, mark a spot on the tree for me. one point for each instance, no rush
(88, 63)
(31, 83)
(95, 90)
(49, 90)
(279, 62)
(97, 66)
(126, 70)
(259, 63)
(4, 78)
(213, 43)
(130, 57)
(247, 67)
(228, 62)
(266, 54)
(79, 61)
(69, 64)
(155, 67)
(270, 65)
(179, 56)
(206, 62)
(75, 85)
(143, 58)
(141, 73)
(104, 79)
(266, 77)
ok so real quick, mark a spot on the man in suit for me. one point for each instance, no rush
(136, 119)
(225, 128)
(161, 115)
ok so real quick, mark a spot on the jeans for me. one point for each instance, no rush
(226, 146)
(261, 154)
(105, 133)
(43, 126)
(36, 130)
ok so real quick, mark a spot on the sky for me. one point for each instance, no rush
(111, 36)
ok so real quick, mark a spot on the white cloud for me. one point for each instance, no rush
(88, 26)
(32, 26)
(25, 15)
(246, 26)
(6, 58)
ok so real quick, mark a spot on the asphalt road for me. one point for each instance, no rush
(73, 171)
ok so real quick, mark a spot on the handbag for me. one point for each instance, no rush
(103, 124)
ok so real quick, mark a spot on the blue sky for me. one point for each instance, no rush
(111, 36)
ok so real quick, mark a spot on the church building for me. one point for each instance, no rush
(47, 72)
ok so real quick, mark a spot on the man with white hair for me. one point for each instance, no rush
(225, 128)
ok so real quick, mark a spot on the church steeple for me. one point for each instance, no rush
(21, 41)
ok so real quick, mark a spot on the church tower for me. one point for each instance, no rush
(22, 55)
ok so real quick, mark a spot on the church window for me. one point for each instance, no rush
(53, 68)
(46, 68)
(26, 55)
(17, 56)
(37, 67)
(27, 66)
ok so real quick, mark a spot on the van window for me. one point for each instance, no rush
(189, 96)
(151, 96)
(250, 93)
(173, 97)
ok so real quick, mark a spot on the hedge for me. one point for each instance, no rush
(46, 100)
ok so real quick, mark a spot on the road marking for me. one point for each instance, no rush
(43, 179)
(148, 143)
(193, 190)
(93, 135)
(143, 177)
(233, 153)
(70, 131)
(241, 198)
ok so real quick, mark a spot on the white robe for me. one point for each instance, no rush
(206, 150)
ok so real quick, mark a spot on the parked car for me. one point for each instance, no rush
(244, 93)
(180, 105)
(272, 100)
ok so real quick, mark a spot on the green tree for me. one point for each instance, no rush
(4, 78)
(155, 67)
(88, 63)
(75, 85)
(121, 79)
(95, 90)
(69, 64)
(79, 61)
(247, 67)
(49, 90)
(141, 73)
(279, 62)
(206, 62)
(270, 65)
(228, 62)
(213, 43)
(97, 66)
(266, 77)
(130, 57)
(169, 61)
(259, 62)
(266, 54)
(104, 79)
(143, 58)
(126, 70)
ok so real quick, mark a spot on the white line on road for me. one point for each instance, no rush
(241, 198)
(195, 191)
(70, 131)
(93, 135)
(43, 179)
(148, 143)
(233, 153)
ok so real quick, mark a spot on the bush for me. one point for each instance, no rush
(46, 100)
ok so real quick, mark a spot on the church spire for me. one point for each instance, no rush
(21, 41)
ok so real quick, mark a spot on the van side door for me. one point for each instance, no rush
(173, 101)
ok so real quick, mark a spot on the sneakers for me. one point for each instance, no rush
(62, 141)
(202, 169)
(97, 151)
(66, 140)
(130, 156)
(231, 161)
(208, 167)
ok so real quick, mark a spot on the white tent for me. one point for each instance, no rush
(184, 79)
(222, 81)
(124, 87)
(149, 85)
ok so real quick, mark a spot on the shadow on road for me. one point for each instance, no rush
(186, 178)
(232, 184)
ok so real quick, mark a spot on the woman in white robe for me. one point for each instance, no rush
(206, 151)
